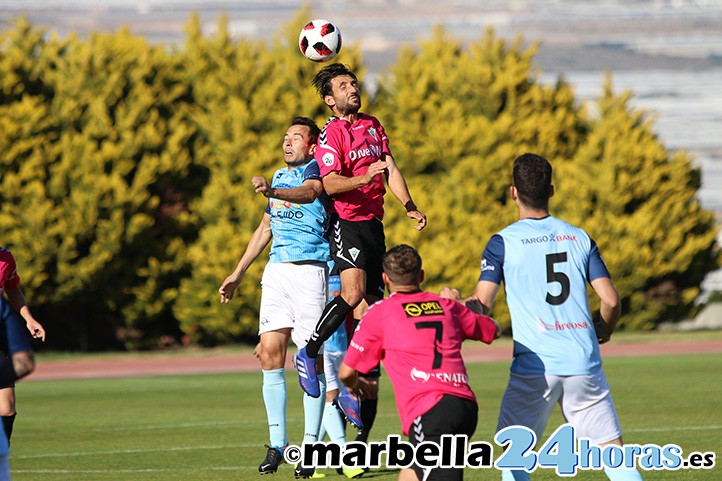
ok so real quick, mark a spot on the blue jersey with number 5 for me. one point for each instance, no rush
(545, 265)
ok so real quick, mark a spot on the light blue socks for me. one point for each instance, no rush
(274, 397)
(334, 425)
(313, 412)
(509, 475)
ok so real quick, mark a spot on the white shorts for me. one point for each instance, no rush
(585, 401)
(292, 295)
(332, 361)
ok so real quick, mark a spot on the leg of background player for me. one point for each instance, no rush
(313, 412)
(621, 474)
(7, 409)
(332, 423)
(369, 406)
(508, 475)
(273, 356)
(18, 366)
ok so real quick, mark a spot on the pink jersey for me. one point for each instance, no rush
(418, 337)
(8, 271)
(349, 149)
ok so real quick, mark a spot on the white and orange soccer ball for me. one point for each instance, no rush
(320, 40)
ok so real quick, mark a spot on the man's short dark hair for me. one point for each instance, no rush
(322, 80)
(313, 130)
(533, 180)
(403, 265)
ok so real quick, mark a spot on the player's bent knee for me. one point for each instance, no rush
(23, 363)
(272, 360)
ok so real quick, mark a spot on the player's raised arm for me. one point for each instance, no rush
(306, 193)
(400, 189)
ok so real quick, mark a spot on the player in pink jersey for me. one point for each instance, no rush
(17, 355)
(352, 154)
(418, 337)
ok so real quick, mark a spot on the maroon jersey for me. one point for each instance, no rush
(349, 149)
(8, 271)
(418, 337)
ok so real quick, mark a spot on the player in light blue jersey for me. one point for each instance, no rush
(294, 283)
(545, 265)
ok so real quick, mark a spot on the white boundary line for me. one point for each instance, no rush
(139, 470)
(135, 451)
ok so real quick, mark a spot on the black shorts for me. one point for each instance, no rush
(13, 335)
(451, 415)
(360, 245)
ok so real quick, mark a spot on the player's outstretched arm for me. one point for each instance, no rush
(17, 301)
(306, 193)
(610, 309)
(259, 240)
(398, 186)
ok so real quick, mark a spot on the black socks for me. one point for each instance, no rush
(333, 316)
(368, 416)
(8, 422)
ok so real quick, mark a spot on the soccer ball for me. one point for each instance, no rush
(320, 40)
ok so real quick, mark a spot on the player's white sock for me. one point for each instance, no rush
(334, 424)
(516, 475)
(622, 474)
(274, 397)
(313, 412)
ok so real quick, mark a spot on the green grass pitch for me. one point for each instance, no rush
(212, 427)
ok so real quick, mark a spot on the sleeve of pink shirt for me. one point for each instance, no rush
(476, 326)
(9, 278)
(328, 154)
(384, 141)
(364, 351)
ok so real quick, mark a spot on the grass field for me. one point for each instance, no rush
(213, 427)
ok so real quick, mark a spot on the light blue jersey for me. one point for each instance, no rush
(338, 342)
(298, 229)
(545, 265)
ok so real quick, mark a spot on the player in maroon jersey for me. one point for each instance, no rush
(418, 337)
(352, 154)
(17, 355)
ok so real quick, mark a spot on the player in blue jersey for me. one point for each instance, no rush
(294, 283)
(545, 264)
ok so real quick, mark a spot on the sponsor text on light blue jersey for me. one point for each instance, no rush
(298, 229)
(545, 265)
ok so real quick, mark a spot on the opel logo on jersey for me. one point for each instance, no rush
(418, 309)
